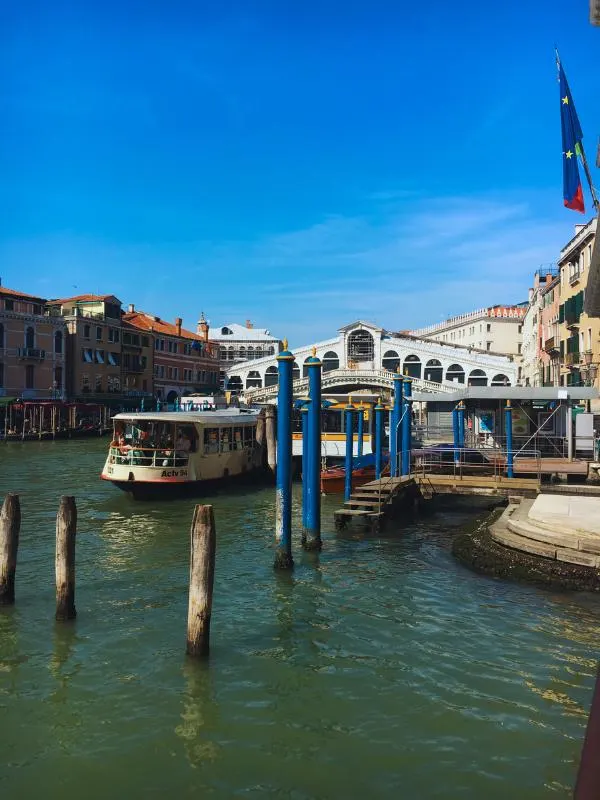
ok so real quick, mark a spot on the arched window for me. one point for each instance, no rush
(434, 371)
(243, 353)
(361, 346)
(412, 366)
(30, 338)
(390, 360)
(253, 379)
(455, 373)
(271, 376)
(258, 353)
(295, 371)
(271, 351)
(234, 383)
(223, 353)
(477, 377)
(330, 361)
(231, 353)
(58, 342)
(500, 380)
(226, 331)
(1, 335)
(250, 352)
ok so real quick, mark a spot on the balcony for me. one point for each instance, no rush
(31, 353)
(574, 277)
(550, 345)
(572, 359)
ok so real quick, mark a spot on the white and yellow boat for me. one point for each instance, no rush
(161, 454)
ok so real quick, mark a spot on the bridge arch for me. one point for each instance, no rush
(500, 380)
(455, 373)
(331, 361)
(412, 366)
(390, 360)
(235, 384)
(477, 377)
(271, 376)
(434, 371)
(361, 346)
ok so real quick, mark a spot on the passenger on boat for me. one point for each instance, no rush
(182, 446)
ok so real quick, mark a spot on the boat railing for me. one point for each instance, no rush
(147, 457)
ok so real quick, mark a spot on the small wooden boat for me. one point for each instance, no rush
(334, 478)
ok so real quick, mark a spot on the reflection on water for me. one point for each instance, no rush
(380, 668)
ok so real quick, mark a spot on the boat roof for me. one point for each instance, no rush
(224, 416)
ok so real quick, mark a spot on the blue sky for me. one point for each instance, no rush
(301, 164)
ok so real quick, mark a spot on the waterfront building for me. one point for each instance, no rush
(549, 334)
(363, 358)
(137, 361)
(239, 343)
(32, 348)
(531, 347)
(579, 333)
(93, 350)
(185, 363)
(496, 329)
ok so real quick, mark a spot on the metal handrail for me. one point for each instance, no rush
(457, 461)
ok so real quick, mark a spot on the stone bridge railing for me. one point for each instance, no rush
(374, 378)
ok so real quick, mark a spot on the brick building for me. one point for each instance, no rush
(32, 348)
(185, 363)
(93, 346)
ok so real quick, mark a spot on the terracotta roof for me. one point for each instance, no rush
(14, 293)
(82, 298)
(148, 322)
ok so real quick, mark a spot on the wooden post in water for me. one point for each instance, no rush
(10, 524)
(202, 575)
(271, 439)
(66, 529)
(260, 437)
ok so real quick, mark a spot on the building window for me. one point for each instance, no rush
(489, 327)
(9, 305)
(113, 335)
(100, 356)
(87, 355)
(98, 334)
(85, 383)
(58, 379)
(519, 348)
(175, 373)
(29, 376)
(98, 383)
(169, 372)
(226, 332)
(37, 309)
(86, 331)
(30, 340)
(58, 342)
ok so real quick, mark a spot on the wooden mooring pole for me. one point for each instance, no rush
(202, 575)
(10, 524)
(66, 529)
(271, 438)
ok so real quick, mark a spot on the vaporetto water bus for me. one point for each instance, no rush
(154, 454)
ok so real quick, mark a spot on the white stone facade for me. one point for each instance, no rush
(497, 329)
(362, 346)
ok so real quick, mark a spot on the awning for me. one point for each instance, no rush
(6, 401)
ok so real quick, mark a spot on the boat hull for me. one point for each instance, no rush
(173, 490)
(333, 481)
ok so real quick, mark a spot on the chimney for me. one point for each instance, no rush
(178, 322)
(249, 325)
(202, 327)
(131, 308)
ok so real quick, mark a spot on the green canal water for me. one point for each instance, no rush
(381, 669)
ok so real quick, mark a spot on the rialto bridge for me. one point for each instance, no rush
(364, 357)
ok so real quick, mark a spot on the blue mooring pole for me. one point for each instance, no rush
(379, 411)
(361, 430)
(406, 425)
(305, 467)
(349, 451)
(456, 435)
(461, 423)
(283, 498)
(311, 534)
(509, 440)
(395, 413)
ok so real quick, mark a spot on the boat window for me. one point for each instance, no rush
(211, 440)
(238, 438)
(226, 439)
(331, 421)
(249, 432)
(186, 438)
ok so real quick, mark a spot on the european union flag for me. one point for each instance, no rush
(571, 144)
